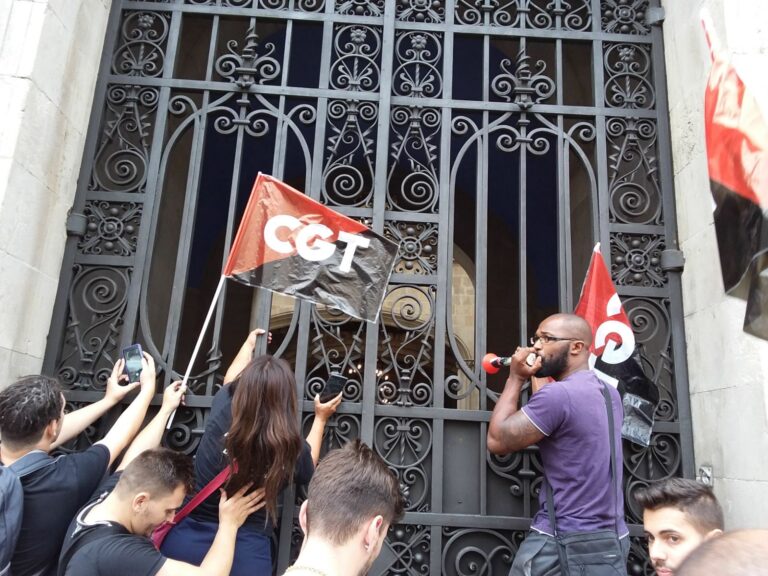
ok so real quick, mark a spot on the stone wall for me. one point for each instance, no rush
(49, 58)
(728, 368)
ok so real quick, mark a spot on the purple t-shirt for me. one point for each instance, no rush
(576, 454)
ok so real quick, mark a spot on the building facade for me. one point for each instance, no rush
(496, 142)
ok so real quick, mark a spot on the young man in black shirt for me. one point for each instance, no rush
(32, 424)
(110, 536)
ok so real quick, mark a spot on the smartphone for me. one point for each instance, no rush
(133, 356)
(333, 386)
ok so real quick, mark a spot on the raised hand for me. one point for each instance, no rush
(115, 391)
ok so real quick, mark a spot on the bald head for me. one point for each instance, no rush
(568, 326)
(732, 554)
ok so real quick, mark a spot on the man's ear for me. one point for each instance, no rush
(713, 534)
(140, 503)
(303, 521)
(372, 533)
(51, 432)
(577, 347)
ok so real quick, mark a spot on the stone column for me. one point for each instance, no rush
(728, 368)
(49, 59)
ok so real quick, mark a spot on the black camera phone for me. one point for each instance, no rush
(333, 386)
(133, 356)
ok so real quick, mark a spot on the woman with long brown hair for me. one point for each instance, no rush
(254, 429)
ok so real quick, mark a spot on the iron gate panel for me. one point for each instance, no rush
(495, 140)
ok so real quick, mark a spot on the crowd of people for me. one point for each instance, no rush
(95, 513)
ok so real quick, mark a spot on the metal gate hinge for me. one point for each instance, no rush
(655, 16)
(76, 224)
(672, 260)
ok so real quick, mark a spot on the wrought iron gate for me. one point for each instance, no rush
(495, 139)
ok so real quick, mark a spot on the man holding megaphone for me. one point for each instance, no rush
(576, 422)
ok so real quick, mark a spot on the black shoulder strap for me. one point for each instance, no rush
(90, 534)
(612, 442)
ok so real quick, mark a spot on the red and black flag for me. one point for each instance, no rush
(613, 354)
(737, 156)
(291, 244)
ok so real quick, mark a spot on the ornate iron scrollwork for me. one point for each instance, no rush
(444, 127)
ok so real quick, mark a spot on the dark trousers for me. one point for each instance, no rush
(538, 556)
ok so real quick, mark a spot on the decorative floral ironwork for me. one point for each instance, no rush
(186, 430)
(254, 64)
(360, 7)
(429, 157)
(633, 171)
(356, 58)
(573, 15)
(406, 346)
(418, 58)
(636, 260)
(141, 51)
(420, 10)
(625, 16)
(418, 246)
(112, 228)
(406, 550)
(97, 299)
(351, 153)
(413, 173)
(520, 85)
(337, 346)
(473, 551)
(628, 76)
(405, 445)
(122, 157)
(650, 320)
(658, 461)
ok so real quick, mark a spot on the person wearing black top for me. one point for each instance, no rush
(253, 423)
(32, 424)
(110, 535)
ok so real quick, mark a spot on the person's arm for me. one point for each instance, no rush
(510, 429)
(218, 562)
(244, 355)
(77, 421)
(129, 422)
(151, 435)
(322, 413)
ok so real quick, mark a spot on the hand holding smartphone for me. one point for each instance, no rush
(133, 357)
(333, 386)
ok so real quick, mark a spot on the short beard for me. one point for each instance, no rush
(553, 366)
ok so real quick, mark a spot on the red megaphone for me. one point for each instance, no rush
(492, 363)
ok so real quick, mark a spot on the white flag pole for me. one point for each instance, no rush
(199, 341)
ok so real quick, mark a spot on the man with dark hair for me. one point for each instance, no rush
(353, 499)
(110, 536)
(32, 424)
(678, 515)
(568, 420)
(739, 553)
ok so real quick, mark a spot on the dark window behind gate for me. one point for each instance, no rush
(496, 140)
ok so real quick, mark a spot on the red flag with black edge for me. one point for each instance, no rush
(613, 354)
(737, 159)
(291, 244)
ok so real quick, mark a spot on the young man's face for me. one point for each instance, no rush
(671, 537)
(158, 510)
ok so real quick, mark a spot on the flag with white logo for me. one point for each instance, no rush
(613, 354)
(291, 244)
